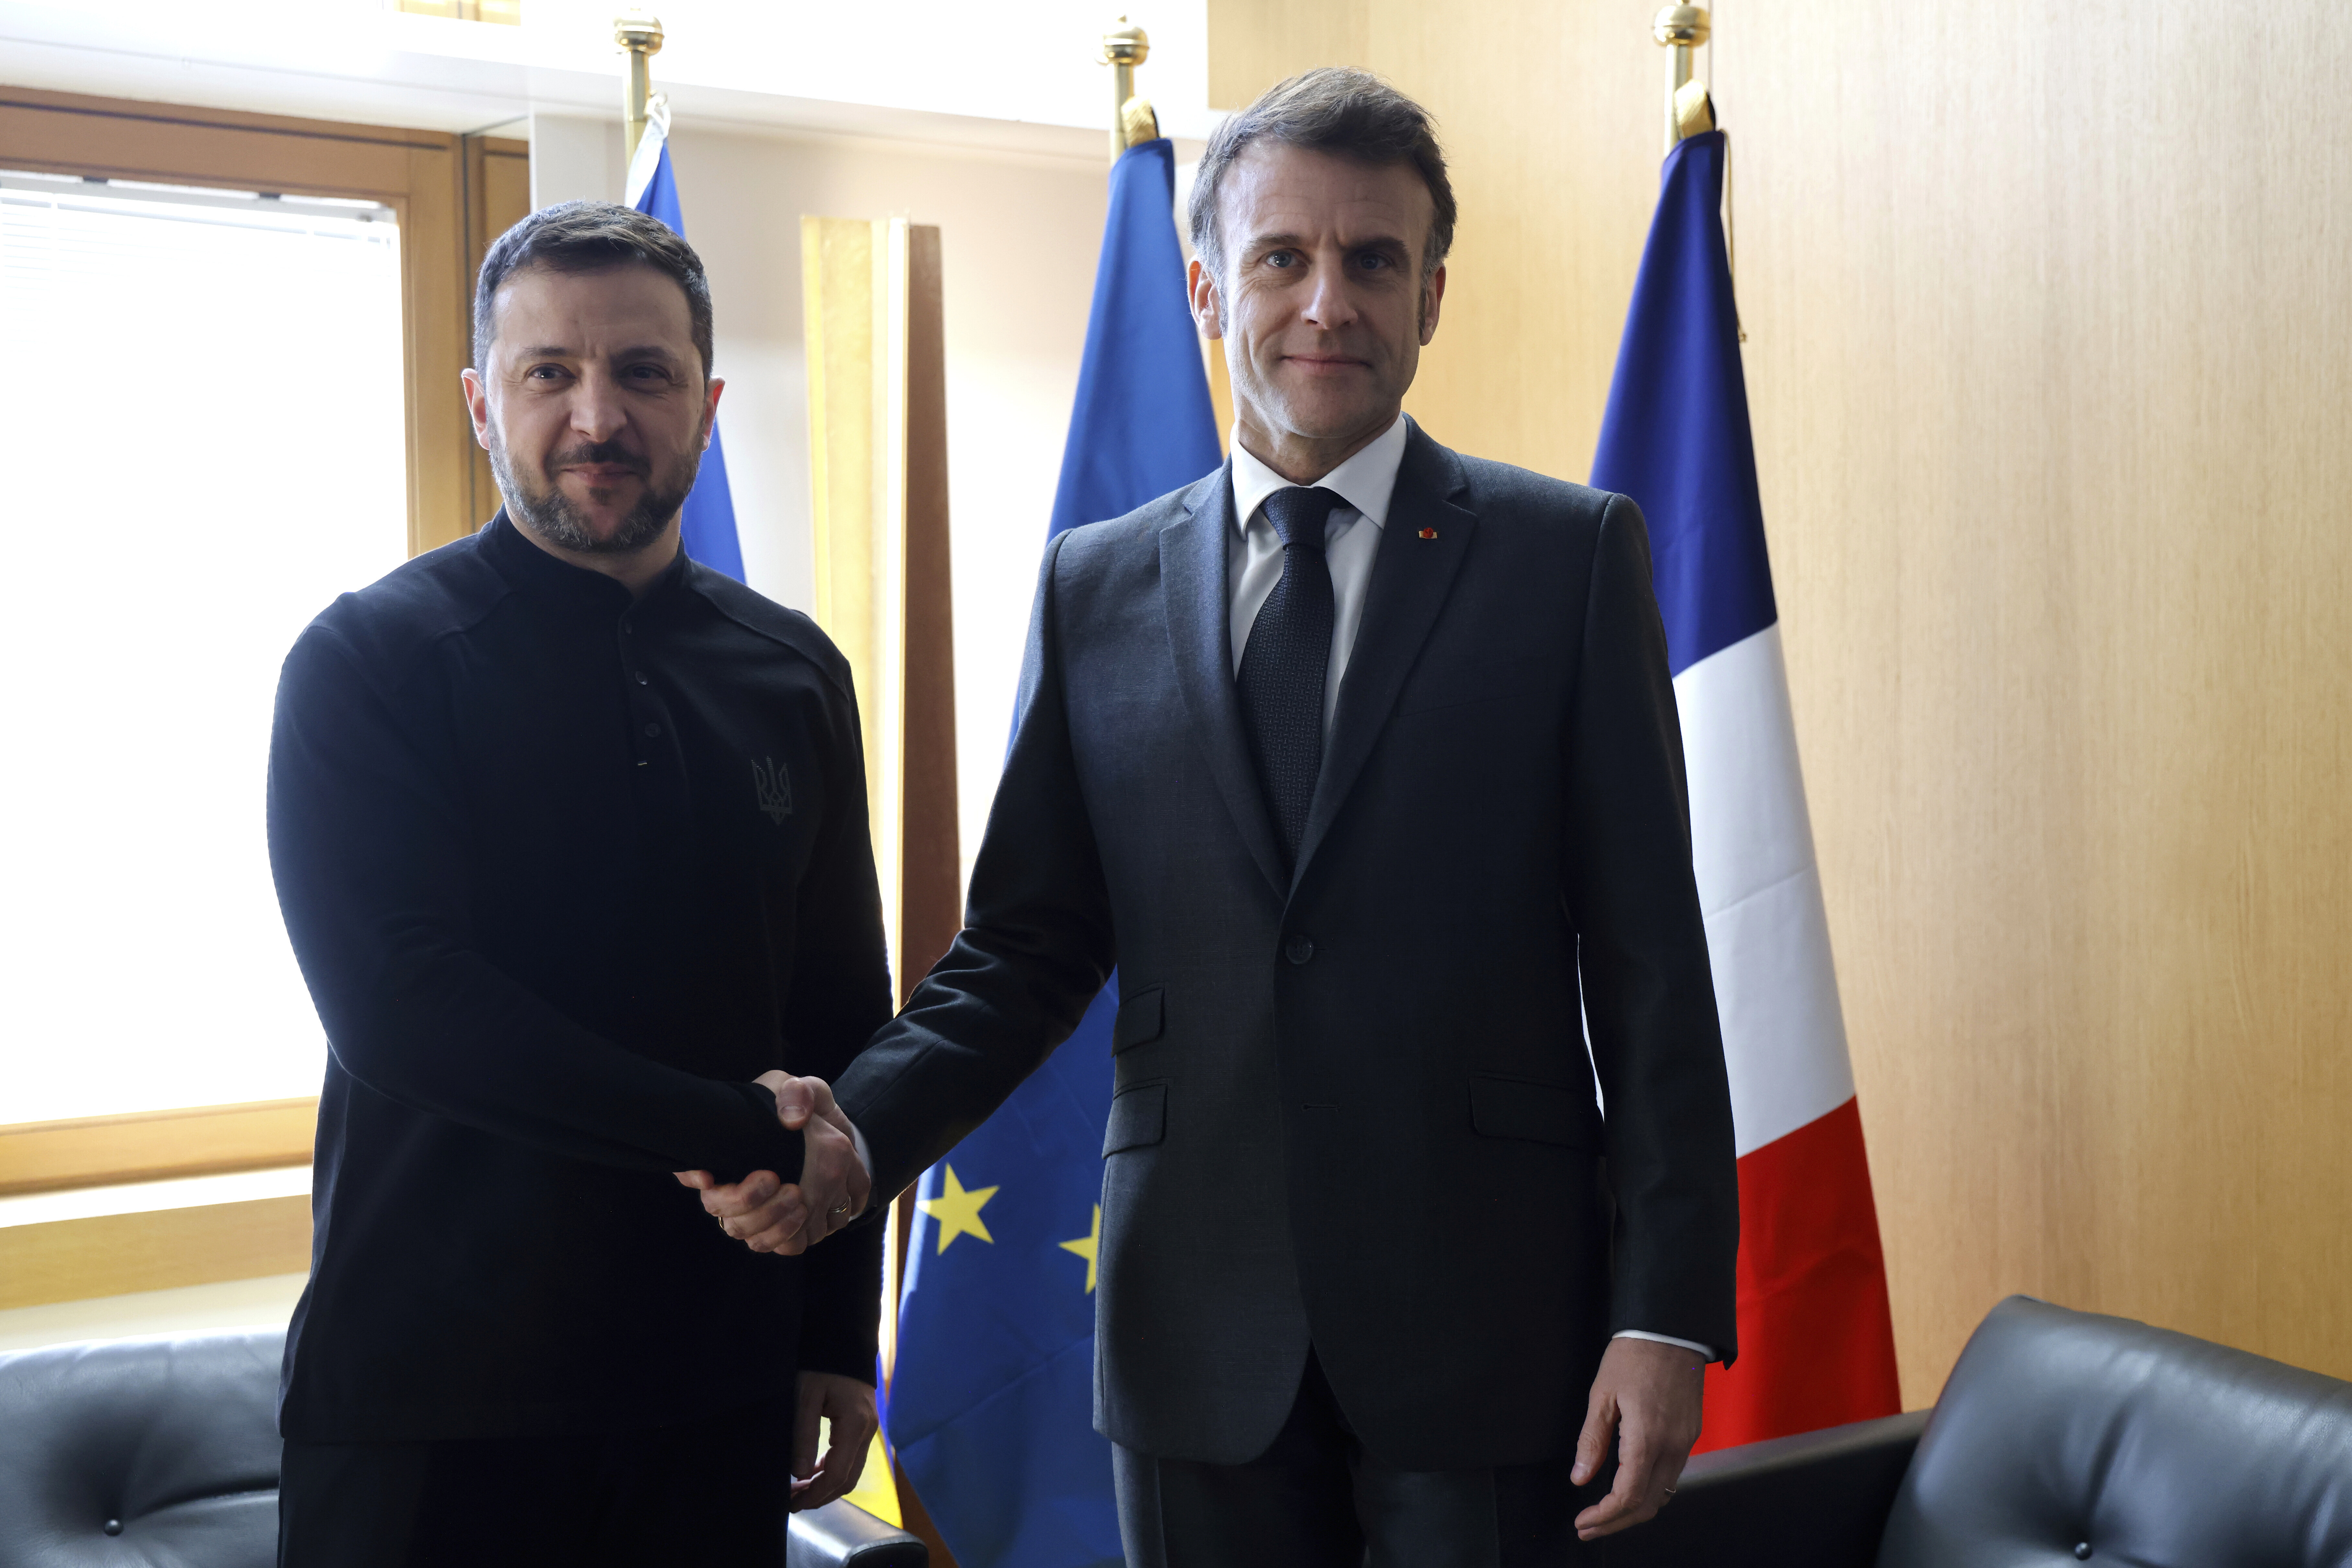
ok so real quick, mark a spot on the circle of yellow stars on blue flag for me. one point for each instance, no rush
(956, 1212)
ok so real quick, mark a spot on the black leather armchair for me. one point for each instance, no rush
(164, 1451)
(2062, 1438)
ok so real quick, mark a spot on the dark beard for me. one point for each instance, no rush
(549, 513)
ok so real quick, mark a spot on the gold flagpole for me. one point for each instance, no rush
(639, 32)
(1124, 48)
(1680, 29)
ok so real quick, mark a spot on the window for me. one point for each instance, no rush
(206, 398)
(247, 495)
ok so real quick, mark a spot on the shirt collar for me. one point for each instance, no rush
(1366, 481)
(534, 570)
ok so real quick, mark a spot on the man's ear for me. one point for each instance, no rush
(1208, 310)
(711, 389)
(1432, 294)
(477, 404)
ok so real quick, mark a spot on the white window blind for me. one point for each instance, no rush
(203, 401)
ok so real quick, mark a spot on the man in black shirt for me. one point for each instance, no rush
(570, 836)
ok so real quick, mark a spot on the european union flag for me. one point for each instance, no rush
(707, 528)
(992, 1401)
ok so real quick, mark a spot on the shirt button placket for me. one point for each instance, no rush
(630, 671)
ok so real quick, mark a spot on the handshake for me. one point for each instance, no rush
(761, 1210)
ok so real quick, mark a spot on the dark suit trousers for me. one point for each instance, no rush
(1317, 1499)
(707, 1493)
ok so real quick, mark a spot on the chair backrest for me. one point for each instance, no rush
(142, 1450)
(2064, 1437)
(166, 1451)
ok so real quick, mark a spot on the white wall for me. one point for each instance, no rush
(1018, 237)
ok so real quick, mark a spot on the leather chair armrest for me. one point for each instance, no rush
(844, 1535)
(1819, 1500)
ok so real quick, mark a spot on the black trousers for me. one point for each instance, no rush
(709, 1493)
(1316, 1499)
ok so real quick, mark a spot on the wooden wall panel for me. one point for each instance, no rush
(2049, 344)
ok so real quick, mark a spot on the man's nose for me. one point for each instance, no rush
(597, 412)
(1330, 303)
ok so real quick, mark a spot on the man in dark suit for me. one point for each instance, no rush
(1360, 760)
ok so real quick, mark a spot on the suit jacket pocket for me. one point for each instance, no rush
(1138, 1116)
(1540, 1113)
(1140, 1018)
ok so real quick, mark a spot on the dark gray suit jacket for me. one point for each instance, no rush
(1353, 1106)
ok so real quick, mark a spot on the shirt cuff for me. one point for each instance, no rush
(1701, 1351)
(857, 1138)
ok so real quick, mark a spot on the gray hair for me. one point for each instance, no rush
(1345, 112)
(591, 236)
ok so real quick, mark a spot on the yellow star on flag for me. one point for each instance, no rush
(1087, 1246)
(958, 1211)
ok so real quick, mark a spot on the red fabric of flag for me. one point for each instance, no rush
(1816, 1340)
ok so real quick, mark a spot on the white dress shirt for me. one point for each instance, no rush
(1352, 537)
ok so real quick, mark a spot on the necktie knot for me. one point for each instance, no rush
(1299, 514)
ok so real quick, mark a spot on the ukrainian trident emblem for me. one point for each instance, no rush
(774, 782)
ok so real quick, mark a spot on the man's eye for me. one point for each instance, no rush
(1282, 258)
(1372, 261)
(544, 373)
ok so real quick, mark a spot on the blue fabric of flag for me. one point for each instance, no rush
(1675, 437)
(991, 1398)
(708, 525)
(1142, 424)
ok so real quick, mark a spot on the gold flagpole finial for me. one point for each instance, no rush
(1680, 29)
(639, 32)
(1124, 48)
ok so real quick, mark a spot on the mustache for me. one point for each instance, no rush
(601, 452)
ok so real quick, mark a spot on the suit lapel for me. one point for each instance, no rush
(1410, 576)
(1192, 583)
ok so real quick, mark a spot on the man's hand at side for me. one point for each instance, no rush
(1648, 1395)
(848, 1404)
(768, 1215)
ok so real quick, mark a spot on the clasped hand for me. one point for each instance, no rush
(769, 1215)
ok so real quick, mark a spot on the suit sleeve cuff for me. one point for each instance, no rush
(767, 1143)
(1703, 1351)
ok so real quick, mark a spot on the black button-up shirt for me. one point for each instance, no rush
(564, 872)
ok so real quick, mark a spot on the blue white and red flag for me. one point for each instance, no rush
(1816, 1342)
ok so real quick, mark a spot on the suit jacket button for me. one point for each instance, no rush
(1299, 950)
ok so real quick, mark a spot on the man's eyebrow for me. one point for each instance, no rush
(1370, 242)
(635, 352)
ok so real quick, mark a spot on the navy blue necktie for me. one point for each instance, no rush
(1285, 662)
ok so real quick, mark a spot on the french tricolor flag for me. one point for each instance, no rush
(1816, 1345)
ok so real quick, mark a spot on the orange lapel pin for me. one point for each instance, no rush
(1429, 533)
